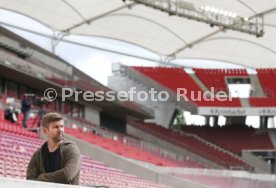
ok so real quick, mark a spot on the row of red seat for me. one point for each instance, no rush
(262, 102)
(176, 78)
(226, 72)
(192, 144)
(117, 146)
(32, 122)
(16, 128)
(266, 70)
(267, 80)
(234, 139)
(172, 78)
(215, 78)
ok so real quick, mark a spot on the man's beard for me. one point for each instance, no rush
(58, 138)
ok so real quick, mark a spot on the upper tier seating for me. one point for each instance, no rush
(267, 79)
(216, 77)
(176, 78)
(262, 102)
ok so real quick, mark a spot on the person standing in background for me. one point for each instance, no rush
(26, 105)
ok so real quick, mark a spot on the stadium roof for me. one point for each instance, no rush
(156, 31)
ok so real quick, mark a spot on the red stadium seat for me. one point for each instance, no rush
(175, 78)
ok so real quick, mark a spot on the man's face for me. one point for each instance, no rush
(55, 131)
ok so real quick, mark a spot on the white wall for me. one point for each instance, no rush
(17, 183)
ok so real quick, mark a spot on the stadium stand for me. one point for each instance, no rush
(116, 142)
(234, 139)
(262, 102)
(216, 78)
(175, 78)
(18, 144)
(267, 79)
(192, 144)
(89, 122)
(129, 151)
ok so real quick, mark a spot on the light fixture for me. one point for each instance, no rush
(213, 16)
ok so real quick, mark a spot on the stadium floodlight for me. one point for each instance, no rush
(186, 5)
(211, 15)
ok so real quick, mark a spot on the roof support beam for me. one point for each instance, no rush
(191, 44)
(62, 38)
(75, 10)
(88, 21)
(264, 12)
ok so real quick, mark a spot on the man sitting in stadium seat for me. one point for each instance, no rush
(57, 160)
(11, 114)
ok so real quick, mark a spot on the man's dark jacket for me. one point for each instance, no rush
(70, 166)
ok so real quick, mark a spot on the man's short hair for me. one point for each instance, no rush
(49, 118)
